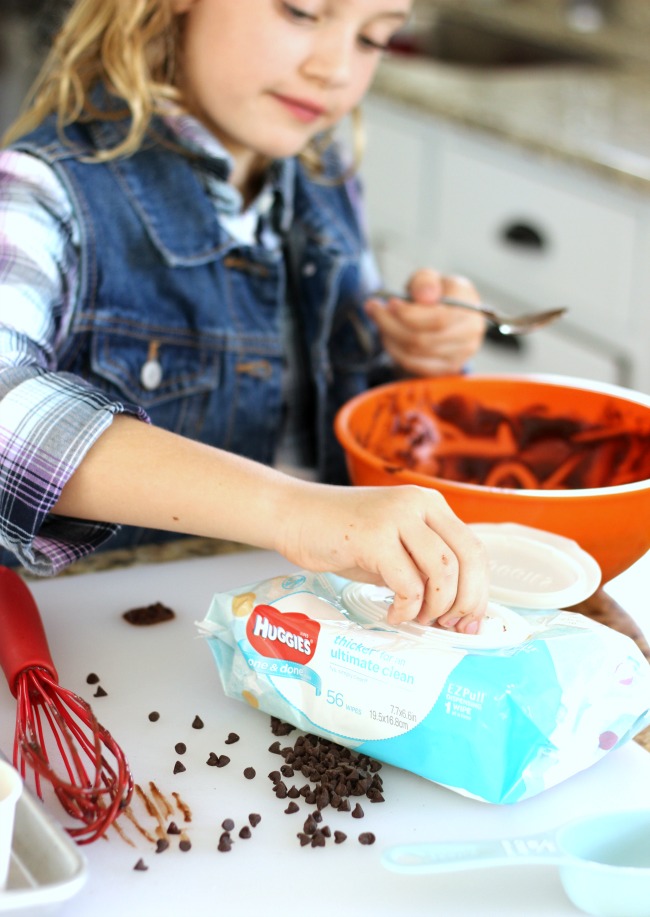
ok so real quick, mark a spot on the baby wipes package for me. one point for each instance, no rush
(535, 697)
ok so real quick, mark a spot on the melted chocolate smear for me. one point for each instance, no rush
(149, 614)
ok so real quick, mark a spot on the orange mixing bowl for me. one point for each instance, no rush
(394, 434)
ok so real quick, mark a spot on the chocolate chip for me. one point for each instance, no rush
(161, 844)
(232, 738)
(304, 839)
(254, 819)
(173, 828)
(213, 760)
(357, 812)
(366, 838)
(326, 831)
(185, 845)
(197, 723)
(318, 840)
(278, 728)
(179, 767)
(310, 826)
(154, 716)
(141, 866)
(291, 808)
(92, 679)
(275, 776)
(339, 837)
(222, 760)
(245, 832)
(293, 793)
(180, 748)
(274, 748)
(227, 824)
(225, 843)
(100, 692)
(249, 773)
(344, 806)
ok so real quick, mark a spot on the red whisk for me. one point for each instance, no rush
(94, 782)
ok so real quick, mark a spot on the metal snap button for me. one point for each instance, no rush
(151, 372)
(151, 375)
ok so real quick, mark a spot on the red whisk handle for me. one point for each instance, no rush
(23, 644)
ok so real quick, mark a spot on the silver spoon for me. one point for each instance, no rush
(514, 324)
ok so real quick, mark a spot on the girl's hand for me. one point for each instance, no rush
(424, 337)
(404, 537)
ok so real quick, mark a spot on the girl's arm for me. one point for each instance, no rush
(405, 538)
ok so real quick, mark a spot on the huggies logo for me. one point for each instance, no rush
(282, 636)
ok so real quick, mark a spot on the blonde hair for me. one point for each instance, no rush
(132, 47)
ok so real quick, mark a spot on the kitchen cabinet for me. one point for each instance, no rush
(531, 232)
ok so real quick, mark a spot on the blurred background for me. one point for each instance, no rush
(507, 140)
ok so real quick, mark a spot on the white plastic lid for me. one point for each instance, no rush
(532, 568)
(500, 626)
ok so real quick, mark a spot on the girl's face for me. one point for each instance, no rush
(265, 76)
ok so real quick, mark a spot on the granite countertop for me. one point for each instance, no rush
(595, 117)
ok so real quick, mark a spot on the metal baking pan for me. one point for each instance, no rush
(46, 867)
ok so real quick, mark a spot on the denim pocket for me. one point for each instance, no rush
(171, 373)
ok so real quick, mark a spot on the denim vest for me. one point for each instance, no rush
(177, 317)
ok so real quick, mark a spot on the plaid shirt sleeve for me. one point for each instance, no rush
(48, 419)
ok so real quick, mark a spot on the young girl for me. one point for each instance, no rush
(180, 243)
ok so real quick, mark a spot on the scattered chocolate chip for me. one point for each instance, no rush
(317, 816)
(100, 692)
(275, 776)
(180, 748)
(149, 614)
(173, 828)
(92, 679)
(225, 843)
(254, 819)
(291, 808)
(274, 748)
(141, 866)
(197, 723)
(318, 840)
(227, 824)
(339, 837)
(344, 806)
(278, 728)
(310, 826)
(357, 812)
(245, 832)
(249, 773)
(185, 845)
(326, 831)
(161, 844)
(232, 738)
(303, 838)
(179, 767)
(366, 838)
(222, 760)
(293, 793)
(154, 716)
(213, 760)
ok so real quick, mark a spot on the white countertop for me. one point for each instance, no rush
(168, 668)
